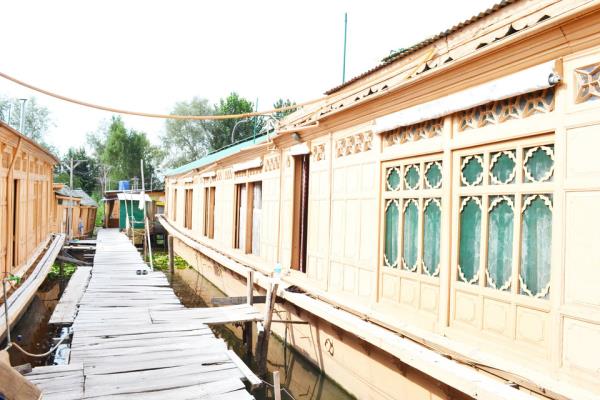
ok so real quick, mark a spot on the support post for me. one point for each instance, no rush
(171, 255)
(250, 301)
(276, 386)
(262, 343)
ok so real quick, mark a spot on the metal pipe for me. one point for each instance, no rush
(235, 126)
(345, 35)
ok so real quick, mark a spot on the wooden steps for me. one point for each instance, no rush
(133, 339)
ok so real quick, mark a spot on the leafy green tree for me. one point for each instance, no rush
(187, 140)
(36, 118)
(221, 130)
(281, 103)
(122, 150)
(85, 175)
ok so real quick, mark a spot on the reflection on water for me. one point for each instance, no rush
(298, 376)
(32, 331)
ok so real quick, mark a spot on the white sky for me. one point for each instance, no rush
(147, 55)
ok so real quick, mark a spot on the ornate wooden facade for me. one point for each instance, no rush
(475, 232)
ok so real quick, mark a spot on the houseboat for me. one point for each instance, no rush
(75, 212)
(28, 245)
(437, 216)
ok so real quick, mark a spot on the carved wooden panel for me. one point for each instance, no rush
(411, 133)
(354, 144)
(588, 83)
(498, 112)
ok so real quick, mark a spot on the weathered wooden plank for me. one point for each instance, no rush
(66, 309)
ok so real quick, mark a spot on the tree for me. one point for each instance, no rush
(187, 140)
(36, 120)
(85, 175)
(221, 130)
(122, 150)
(281, 103)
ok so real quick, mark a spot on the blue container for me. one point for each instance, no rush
(123, 185)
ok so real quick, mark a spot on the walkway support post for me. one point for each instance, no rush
(276, 386)
(250, 301)
(262, 343)
(171, 255)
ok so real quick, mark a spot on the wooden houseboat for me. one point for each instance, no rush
(28, 245)
(121, 204)
(75, 212)
(440, 212)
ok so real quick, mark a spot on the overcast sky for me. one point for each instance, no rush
(147, 55)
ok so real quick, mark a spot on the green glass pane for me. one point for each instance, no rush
(391, 234)
(434, 176)
(472, 171)
(500, 244)
(412, 177)
(431, 237)
(410, 238)
(539, 165)
(536, 246)
(393, 179)
(470, 239)
(503, 169)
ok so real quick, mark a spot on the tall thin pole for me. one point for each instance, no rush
(22, 116)
(255, 121)
(345, 36)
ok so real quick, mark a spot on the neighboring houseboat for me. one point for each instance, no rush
(75, 212)
(122, 209)
(28, 246)
(440, 211)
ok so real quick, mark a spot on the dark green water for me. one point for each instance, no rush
(300, 378)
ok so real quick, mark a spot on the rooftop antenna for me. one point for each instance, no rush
(345, 35)
(22, 116)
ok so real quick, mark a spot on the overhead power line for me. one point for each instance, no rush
(153, 115)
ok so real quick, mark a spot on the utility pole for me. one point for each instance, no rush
(73, 164)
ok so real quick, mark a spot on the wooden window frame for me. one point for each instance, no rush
(188, 208)
(249, 214)
(299, 261)
(519, 190)
(209, 212)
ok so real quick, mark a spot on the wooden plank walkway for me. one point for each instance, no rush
(66, 309)
(133, 339)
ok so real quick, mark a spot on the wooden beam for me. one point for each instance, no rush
(235, 300)
(250, 302)
(171, 254)
(13, 385)
(262, 344)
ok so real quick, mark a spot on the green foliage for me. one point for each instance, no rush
(161, 261)
(85, 175)
(100, 212)
(221, 130)
(187, 140)
(281, 103)
(37, 119)
(122, 149)
(68, 270)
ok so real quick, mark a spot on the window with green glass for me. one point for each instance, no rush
(431, 237)
(500, 242)
(391, 234)
(470, 240)
(517, 228)
(410, 235)
(536, 245)
(412, 216)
